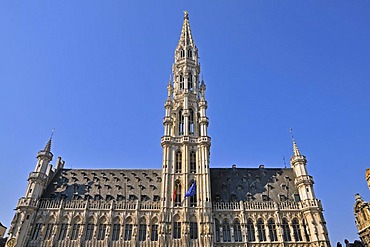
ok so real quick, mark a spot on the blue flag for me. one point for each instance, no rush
(192, 190)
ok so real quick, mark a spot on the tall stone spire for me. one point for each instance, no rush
(296, 151)
(48, 146)
(186, 146)
(186, 38)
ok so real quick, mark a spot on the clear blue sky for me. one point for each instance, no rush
(97, 72)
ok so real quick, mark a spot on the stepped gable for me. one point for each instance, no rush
(105, 184)
(253, 184)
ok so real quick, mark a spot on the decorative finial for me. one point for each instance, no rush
(202, 88)
(284, 161)
(169, 88)
(52, 133)
(295, 147)
(48, 144)
(186, 15)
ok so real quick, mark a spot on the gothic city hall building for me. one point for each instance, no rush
(184, 202)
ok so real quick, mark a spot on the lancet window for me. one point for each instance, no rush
(193, 163)
(296, 230)
(272, 230)
(250, 231)
(286, 230)
(154, 230)
(190, 81)
(191, 122)
(89, 231)
(128, 230)
(237, 231)
(178, 162)
(193, 230)
(176, 230)
(142, 230)
(226, 231)
(181, 122)
(190, 53)
(63, 232)
(261, 230)
(177, 194)
(217, 230)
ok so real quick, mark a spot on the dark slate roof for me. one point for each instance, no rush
(253, 184)
(106, 184)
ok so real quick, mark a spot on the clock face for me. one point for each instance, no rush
(11, 242)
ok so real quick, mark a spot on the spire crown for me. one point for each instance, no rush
(186, 37)
(296, 151)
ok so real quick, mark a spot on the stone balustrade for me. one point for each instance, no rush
(27, 202)
(256, 206)
(37, 176)
(98, 205)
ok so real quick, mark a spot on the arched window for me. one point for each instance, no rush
(286, 230)
(193, 228)
(142, 230)
(128, 230)
(176, 234)
(296, 230)
(217, 230)
(154, 230)
(76, 228)
(63, 229)
(226, 231)
(182, 53)
(178, 162)
(190, 81)
(272, 230)
(190, 53)
(90, 229)
(102, 229)
(36, 231)
(116, 229)
(305, 230)
(250, 231)
(181, 82)
(191, 122)
(193, 199)
(49, 229)
(177, 194)
(181, 122)
(261, 230)
(193, 163)
(237, 231)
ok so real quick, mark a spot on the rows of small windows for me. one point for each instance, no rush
(260, 228)
(75, 230)
(181, 120)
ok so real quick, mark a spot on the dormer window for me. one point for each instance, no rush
(265, 198)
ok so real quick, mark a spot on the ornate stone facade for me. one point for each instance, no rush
(120, 207)
(362, 215)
